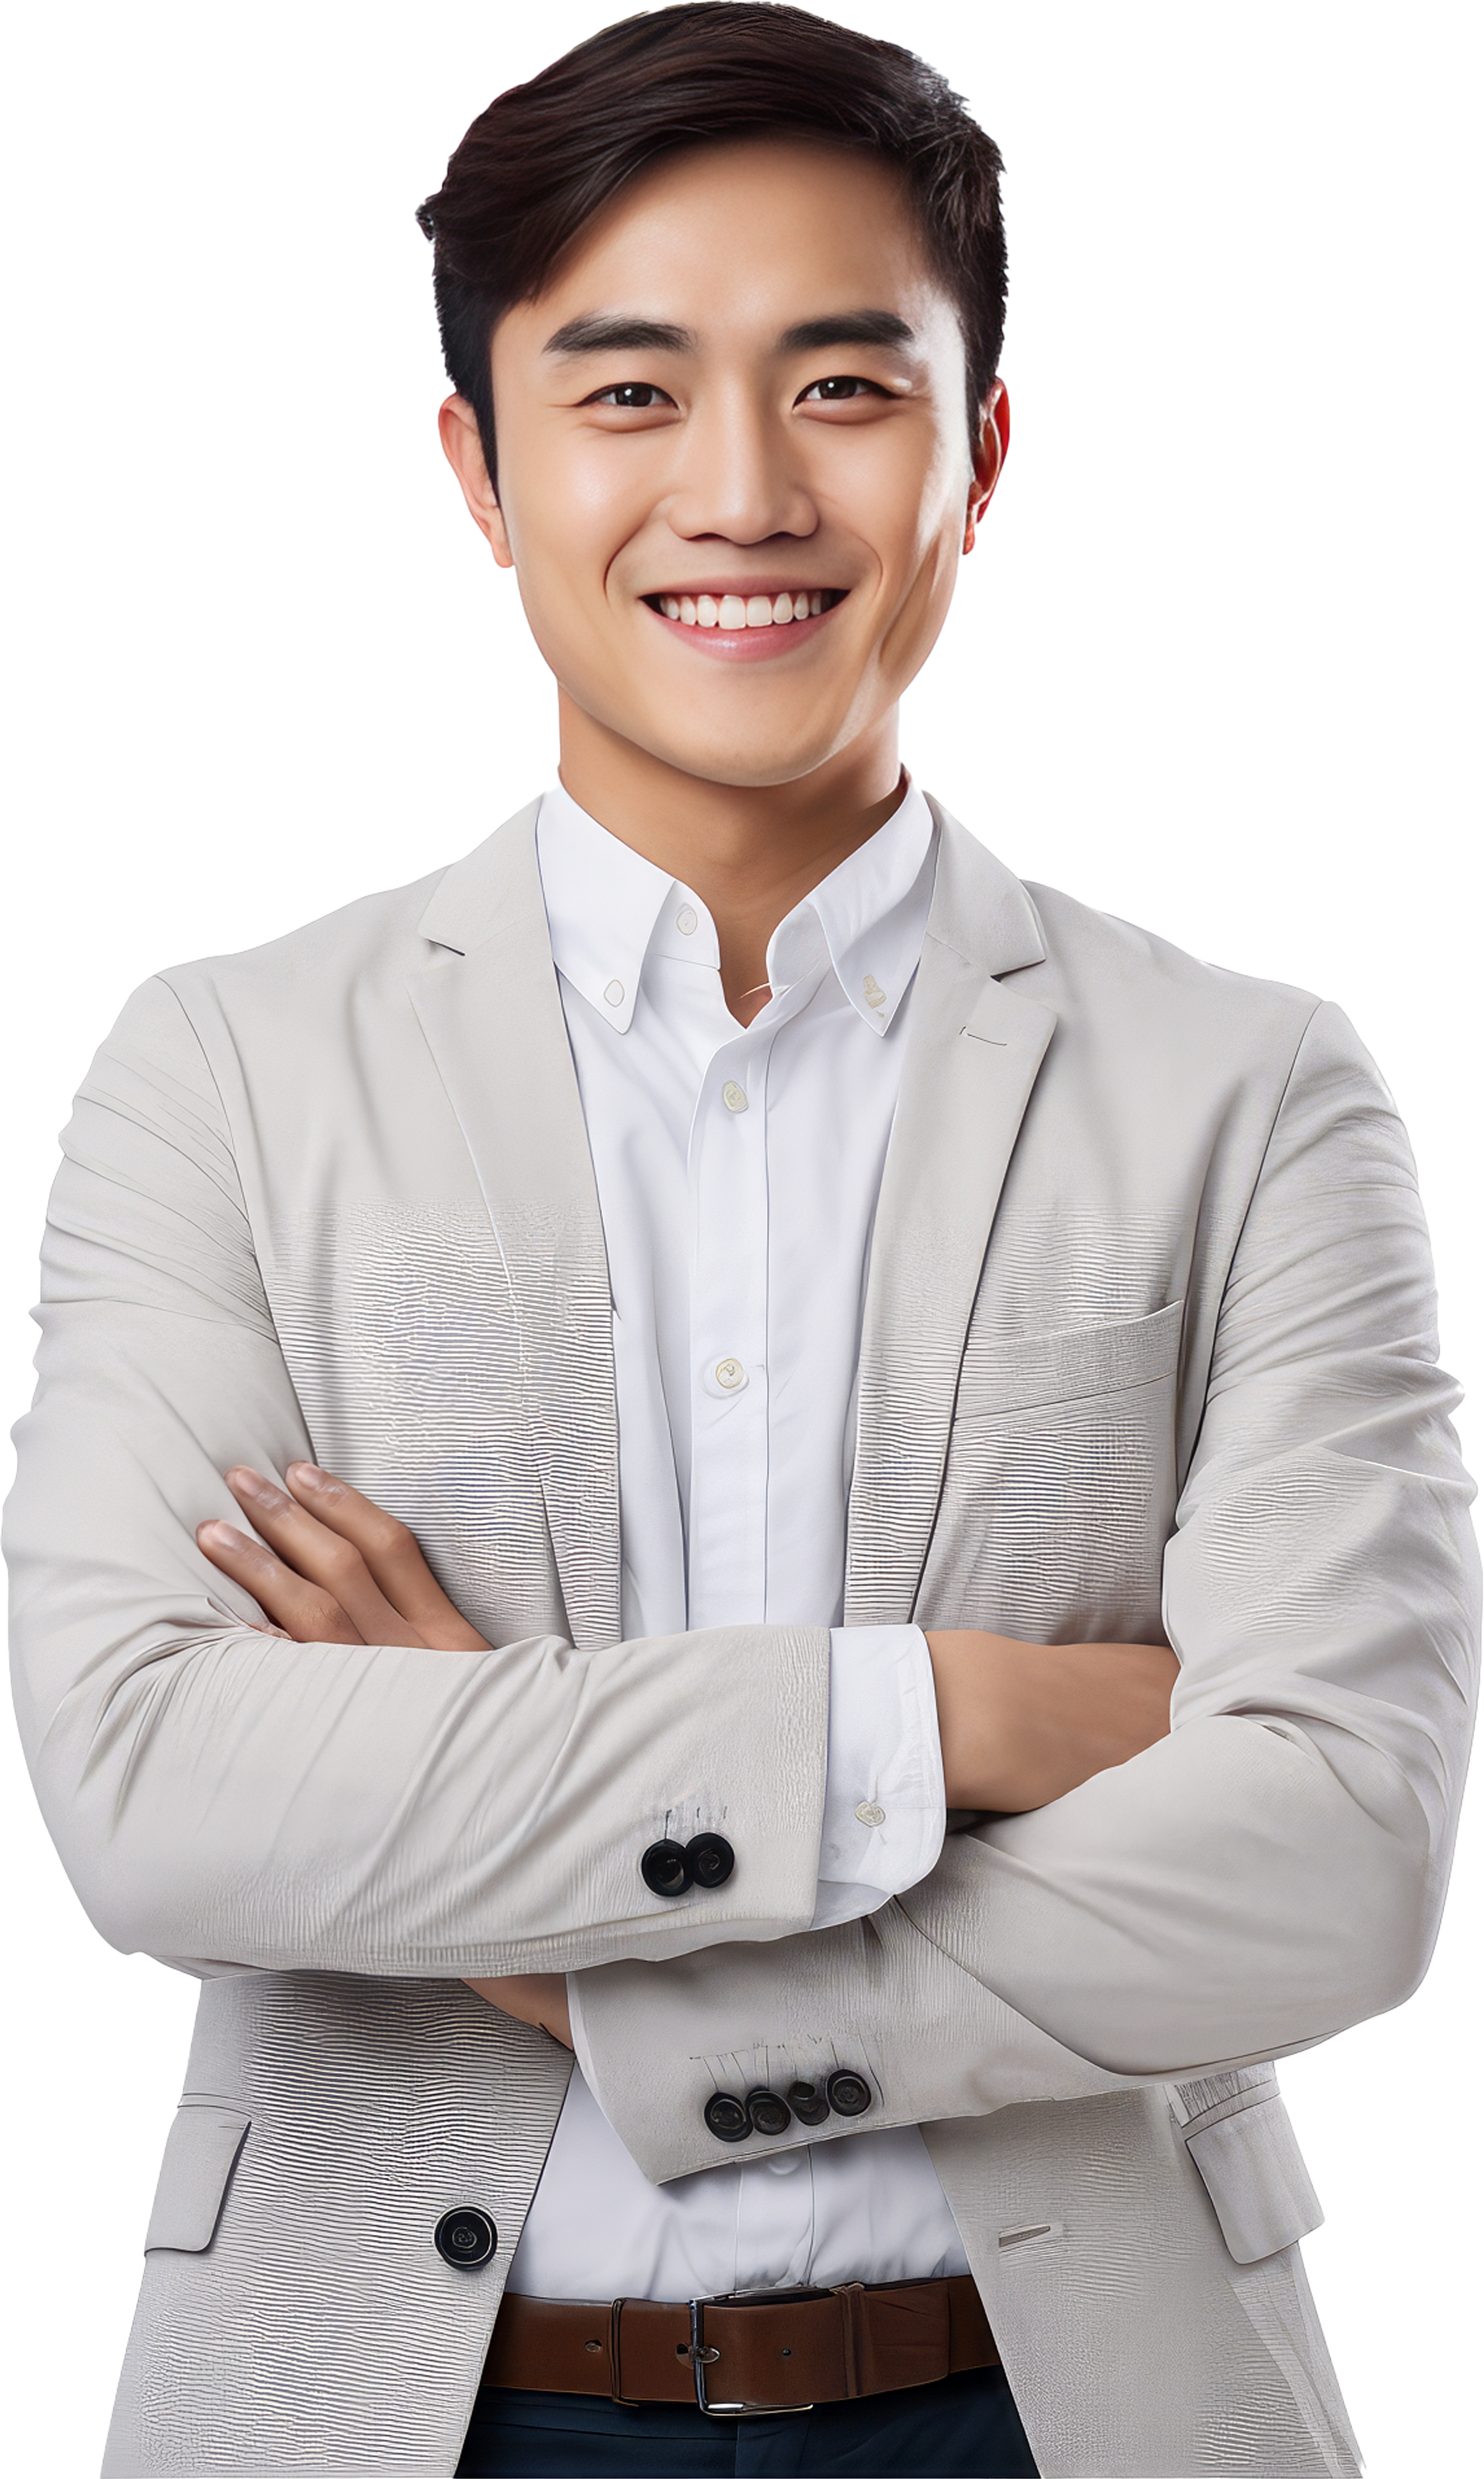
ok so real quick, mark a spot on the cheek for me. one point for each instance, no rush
(928, 576)
(906, 499)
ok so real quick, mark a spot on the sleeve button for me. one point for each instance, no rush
(711, 1860)
(465, 2236)
(770, 2114)
(726, 2119)
(666, 1868)
(808, 2104)
(848, 2093)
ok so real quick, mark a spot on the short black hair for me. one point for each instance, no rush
(545, 157)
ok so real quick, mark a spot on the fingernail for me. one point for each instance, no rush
(225, 1535)
(309, 1475)
(244, 1482)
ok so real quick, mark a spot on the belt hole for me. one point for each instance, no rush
(592, 2346)
(682, 2349)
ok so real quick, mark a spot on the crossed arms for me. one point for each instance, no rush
(1270, 1870)
(1019, 1725)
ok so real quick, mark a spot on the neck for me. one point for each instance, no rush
(751, 851)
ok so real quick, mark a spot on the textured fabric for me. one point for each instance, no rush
(1090, 1130)
(738, 1172)
(966, 2426)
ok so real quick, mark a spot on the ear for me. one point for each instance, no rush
(459, 430)
(991, 449)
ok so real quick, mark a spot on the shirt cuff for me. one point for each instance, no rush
(883, 1784)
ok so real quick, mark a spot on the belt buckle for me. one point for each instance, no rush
(702, 2356)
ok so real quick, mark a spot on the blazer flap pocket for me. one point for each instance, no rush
(1070, 1363)
(199, 2152)
(1255, 2176)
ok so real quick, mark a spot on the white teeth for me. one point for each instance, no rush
(736, 611)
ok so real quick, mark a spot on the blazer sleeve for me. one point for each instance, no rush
(220, 1797)
(1274, 1870)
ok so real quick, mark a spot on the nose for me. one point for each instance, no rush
(738, 479)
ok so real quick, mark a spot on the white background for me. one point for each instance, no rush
(1211, 667)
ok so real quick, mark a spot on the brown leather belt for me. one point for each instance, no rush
(741, 2357)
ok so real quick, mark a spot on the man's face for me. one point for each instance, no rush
(734, 468)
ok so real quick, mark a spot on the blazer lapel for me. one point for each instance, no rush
(974, 1051)
(491, 1009)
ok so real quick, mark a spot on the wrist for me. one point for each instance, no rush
(966, 1666)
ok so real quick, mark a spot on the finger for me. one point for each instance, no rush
(302, 1611)
(391, 1554)
(320, 1556)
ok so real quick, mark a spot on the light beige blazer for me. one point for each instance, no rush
(1149, 1344)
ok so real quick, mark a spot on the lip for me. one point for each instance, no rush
(748, 644)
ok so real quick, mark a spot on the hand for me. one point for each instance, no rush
(337, 1569)
(1021, 1724)
(538, 1996)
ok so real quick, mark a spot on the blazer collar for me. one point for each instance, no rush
(492, 1015)
(974, 1051)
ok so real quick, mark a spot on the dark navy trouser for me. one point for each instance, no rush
(967, 2427)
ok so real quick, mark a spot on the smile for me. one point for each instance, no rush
(738, 611)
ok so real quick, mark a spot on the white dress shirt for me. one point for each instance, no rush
(738, 1172)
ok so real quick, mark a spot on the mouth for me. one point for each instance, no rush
(787, 607)
(751, 627)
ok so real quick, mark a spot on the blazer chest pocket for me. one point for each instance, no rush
(1060, 1484)
(200, 2153)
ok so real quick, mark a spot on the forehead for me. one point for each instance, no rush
(756, 234)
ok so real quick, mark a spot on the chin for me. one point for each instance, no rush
(749, 760)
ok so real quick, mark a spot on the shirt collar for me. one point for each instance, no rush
(607, 907)
(873, 912)
(602, 900)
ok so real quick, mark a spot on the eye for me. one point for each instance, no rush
(840, 390)
(634, 395)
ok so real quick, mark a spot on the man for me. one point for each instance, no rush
(635, 1283)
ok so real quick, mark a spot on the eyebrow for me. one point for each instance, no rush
(854, 327)
(601, 333)
(605, 332)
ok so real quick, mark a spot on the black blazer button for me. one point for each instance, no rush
(808, 2104)
(849, 2094)
(712, 1859)
(465, 2236)
(770, 2114)
(666, 1868)
(726, 2119)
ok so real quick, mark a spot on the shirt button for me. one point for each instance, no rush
(731, 1375)
(614, 994)
(871, 1812)
(685, 921)
(733, 1097)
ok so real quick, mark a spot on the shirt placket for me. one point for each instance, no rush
(729, 1199)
